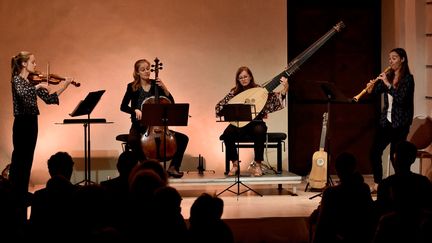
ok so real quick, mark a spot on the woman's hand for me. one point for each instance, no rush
(138, 114)
(383, 77)
(162, 85)
(41, 85)
(370, 85)
(284, 82)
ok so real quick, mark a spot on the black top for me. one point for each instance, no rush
(402, 110)
(134, 99)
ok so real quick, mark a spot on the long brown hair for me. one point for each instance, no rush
(240, 88)
(136, 84)
(404, 70)
(16, 62)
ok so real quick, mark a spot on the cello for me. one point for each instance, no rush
(158, 142)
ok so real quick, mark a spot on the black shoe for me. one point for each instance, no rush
(174, 173)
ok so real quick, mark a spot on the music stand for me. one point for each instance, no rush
(165, 115)
(85, 107)
(332, 95)
(237, 113)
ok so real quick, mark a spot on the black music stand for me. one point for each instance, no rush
(237, 113)
(85, 107)
(332, 95)
(165, 115)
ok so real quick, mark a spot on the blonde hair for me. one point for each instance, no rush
(136, 83)
(16, 62)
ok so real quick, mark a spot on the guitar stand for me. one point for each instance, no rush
(329, 183)
(332, 95)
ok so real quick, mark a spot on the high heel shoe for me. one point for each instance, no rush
(234, 169)
(174, 173)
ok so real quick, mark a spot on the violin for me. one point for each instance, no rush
(38, 77)
(158, 142)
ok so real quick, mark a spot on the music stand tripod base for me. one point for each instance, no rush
(238, 183)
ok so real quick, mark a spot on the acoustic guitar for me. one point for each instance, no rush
(318, 174)
(257, 97)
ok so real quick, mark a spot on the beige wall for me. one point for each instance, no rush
(200, 42)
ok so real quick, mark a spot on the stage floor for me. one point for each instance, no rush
(289, 200)
(210, 178)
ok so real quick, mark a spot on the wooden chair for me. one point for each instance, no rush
(421, 136)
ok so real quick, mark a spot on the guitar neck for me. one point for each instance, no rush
(323, 138)
(295, 64)
(324, 131)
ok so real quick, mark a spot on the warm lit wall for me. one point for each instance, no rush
(200, 42)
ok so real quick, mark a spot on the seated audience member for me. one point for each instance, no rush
(417, 186)
(120, 185)
(118, 188)
(51, 208)
(144, 180)
(167, 215)
(206, 222)
(404, 201)
(346, 211)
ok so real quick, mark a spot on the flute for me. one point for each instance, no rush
(357, 97)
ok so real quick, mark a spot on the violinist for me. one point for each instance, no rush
(141, 88)
(25, 126)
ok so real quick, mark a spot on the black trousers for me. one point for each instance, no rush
(134, 141)
(24, 136)
(256, 130)
(385, 135)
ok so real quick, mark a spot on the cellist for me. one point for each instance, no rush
(137, 91)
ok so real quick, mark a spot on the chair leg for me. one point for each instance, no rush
(421, 165)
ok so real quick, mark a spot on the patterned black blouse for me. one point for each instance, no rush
(402, 110)
(25, 97)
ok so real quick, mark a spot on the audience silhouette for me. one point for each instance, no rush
(119, 186)
(346, 212)
(404, 201)
(139, 204)
(50, 216)
(206, 224)
(168, 222)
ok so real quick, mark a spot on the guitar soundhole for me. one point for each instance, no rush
(320, 162)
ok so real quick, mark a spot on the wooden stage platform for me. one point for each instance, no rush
(208, 178)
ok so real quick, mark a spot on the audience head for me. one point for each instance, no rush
(61, 164)
(152, 165)
(206, 208)
(126, 162)
(345, 165)
(405, 155)
(143, 185)
(168, 199)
